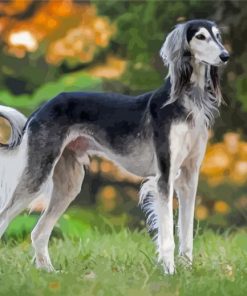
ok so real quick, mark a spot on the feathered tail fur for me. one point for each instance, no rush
(148, 202)
(13, 155)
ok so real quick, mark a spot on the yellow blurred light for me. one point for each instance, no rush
(106, 166)
(216, 160)
(109, 205)
(216, 180)
(51, 23)
(201, 212)
(241, 167)
(243, 151)
(54, 285)
(221, 207)
(25, 39)
(113, 68)
(94, 166)
(231, 141)
(109, 192)
(239, 172)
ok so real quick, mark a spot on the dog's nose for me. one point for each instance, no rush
(224, 56)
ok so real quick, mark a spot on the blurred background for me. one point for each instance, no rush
(47, 47)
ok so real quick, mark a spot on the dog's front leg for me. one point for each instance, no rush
(186, 187)
(164, 216)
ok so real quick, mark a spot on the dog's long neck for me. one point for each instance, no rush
(198, 76)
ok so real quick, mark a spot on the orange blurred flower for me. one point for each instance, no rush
(226, 161)
(94, 166)
(109, 192)
(106, 166)
(216, 180)
(243, 151)
(239, 172)
(216, 160)
(54, 285)
(221, 207)
(201, 212)
(231, 141)
(14, 7)
(108, 198)
(113, 68)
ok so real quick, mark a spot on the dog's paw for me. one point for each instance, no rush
(168, 266)
(43, 264)
(169, 269)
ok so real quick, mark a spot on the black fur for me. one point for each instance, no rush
(193, 26)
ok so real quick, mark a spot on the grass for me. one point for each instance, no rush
(124, 263)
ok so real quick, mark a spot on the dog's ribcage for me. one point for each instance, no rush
(139, 161)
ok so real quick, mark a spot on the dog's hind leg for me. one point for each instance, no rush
(67, 179)
(36, 179)
(21, 199)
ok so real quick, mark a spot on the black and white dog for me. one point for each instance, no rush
(161, 135)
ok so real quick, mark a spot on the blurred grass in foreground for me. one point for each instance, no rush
(124, 263)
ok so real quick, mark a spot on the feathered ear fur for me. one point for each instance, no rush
(176, 55)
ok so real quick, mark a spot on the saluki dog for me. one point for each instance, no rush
(160, 135)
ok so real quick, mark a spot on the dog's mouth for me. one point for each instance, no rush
(215, 65)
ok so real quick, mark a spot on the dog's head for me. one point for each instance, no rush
(205, 43)
(197, 39)
(193, 42)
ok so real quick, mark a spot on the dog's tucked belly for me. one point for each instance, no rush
(140, 161)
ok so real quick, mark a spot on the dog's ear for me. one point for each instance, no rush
(176, 55)
(174, 45)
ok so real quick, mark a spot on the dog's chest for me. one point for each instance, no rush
(185, 139)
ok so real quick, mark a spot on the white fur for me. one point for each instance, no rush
(12, 164)
(12, 161)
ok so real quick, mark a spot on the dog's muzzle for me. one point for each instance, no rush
(224, 56)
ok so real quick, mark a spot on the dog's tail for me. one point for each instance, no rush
(148, 202)
(13, 154)
(17, 122)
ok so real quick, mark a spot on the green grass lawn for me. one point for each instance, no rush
(124, 263)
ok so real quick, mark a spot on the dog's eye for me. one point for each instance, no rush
(200, 37)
